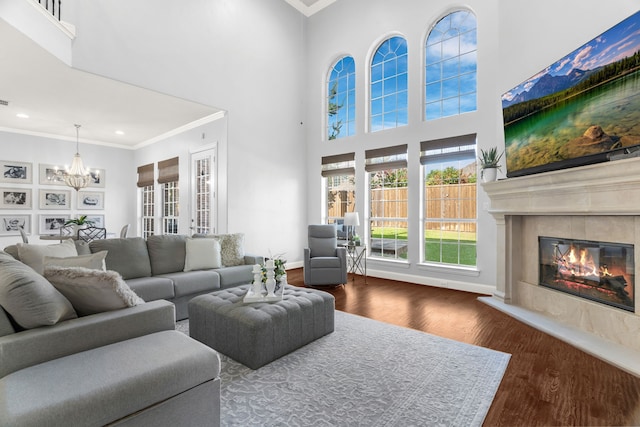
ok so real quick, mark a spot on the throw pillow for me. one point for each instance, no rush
(29, 298)
(92, 291)
(232, 249)
(33, 255)
(91, 261)
(202, 254)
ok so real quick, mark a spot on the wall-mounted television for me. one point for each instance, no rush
(582, 109)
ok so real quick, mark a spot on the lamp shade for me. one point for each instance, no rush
(352, 219)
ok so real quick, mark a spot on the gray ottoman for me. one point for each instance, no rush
(255, 334)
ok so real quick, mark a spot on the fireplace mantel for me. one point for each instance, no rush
(594, 202)
(611, 188)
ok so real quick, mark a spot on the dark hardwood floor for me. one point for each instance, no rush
(547, 382)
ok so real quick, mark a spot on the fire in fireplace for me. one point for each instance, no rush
(598, 271)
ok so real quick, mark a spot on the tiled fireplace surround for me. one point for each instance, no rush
(596, 202)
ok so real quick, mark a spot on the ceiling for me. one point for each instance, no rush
(55, 97)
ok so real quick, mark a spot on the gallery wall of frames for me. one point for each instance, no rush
(35, 198)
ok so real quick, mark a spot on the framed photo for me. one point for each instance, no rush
(55, 199)
(11, 224)
(97, 178)
(15, 198)
(90, 200)
(49, 175)
(51, 224)
(16, 172)
(98, 220)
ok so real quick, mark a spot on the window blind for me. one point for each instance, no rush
(145, 175)
(375, 159)
(457, 147)
(168, 170)
(330, 165)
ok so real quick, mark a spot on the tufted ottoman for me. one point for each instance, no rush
(258, 333)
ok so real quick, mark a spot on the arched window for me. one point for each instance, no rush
(389, 85)
(451, 66)
(341, 99)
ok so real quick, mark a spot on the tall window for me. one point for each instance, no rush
(170, 204)
(388, 195)
(148, 209)
(339, 172)
(168, 176)
(450, 66)
(341, 99)
(203, 192)
(147, 187)
(389, 85)
(450, 213)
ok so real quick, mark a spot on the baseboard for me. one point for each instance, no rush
(433, 281)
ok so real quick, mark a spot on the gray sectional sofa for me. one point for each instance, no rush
(127, 366)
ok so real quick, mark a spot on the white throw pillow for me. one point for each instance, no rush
(92, 291)
(91, 261)
(202, 254)
(33, 255)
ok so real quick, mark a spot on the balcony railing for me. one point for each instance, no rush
(50, 6)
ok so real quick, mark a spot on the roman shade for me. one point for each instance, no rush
(145, 175)
(168, 170)
(330, 165)
(454, 148)
(375, 158)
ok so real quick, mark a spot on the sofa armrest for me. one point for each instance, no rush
(31, 347)
(253, 259)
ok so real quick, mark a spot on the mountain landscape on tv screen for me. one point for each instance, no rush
(580, 108)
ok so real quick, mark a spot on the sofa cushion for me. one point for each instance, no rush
(33, 255)
(105, 384)
(28, 297)
(152, 288)
(92, 291)
(91, 261)
(166, 253)
(202, 254)
(194, 282)
(129, 256)
(325, 262)
(236, 275)
(231, 247)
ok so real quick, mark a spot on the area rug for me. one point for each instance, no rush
(366, 373)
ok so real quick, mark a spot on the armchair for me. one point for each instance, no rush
(325, 263)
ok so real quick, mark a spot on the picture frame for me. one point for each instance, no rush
(15, 198)
(98, 178)
(16, 172)
(51, 224)
(55, 199)
(90, 200)
(10, 224)
(47, 174)
(98, 220)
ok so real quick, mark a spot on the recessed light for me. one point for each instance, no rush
(119, 132)
(22, 115)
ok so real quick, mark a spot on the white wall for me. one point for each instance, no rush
(118, 164)
(244, 56)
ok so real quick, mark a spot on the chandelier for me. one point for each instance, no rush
(77, 176)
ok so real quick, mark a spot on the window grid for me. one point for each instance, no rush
(388, 202)
(170, 207)
(341, 99)
(388, 89)
(451, 66)
(341, 196)
(203, 196)
(450, 207)
(148, 210)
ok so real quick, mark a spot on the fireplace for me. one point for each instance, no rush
(598, 271)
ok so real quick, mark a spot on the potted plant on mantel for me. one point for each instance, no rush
(489, 164)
